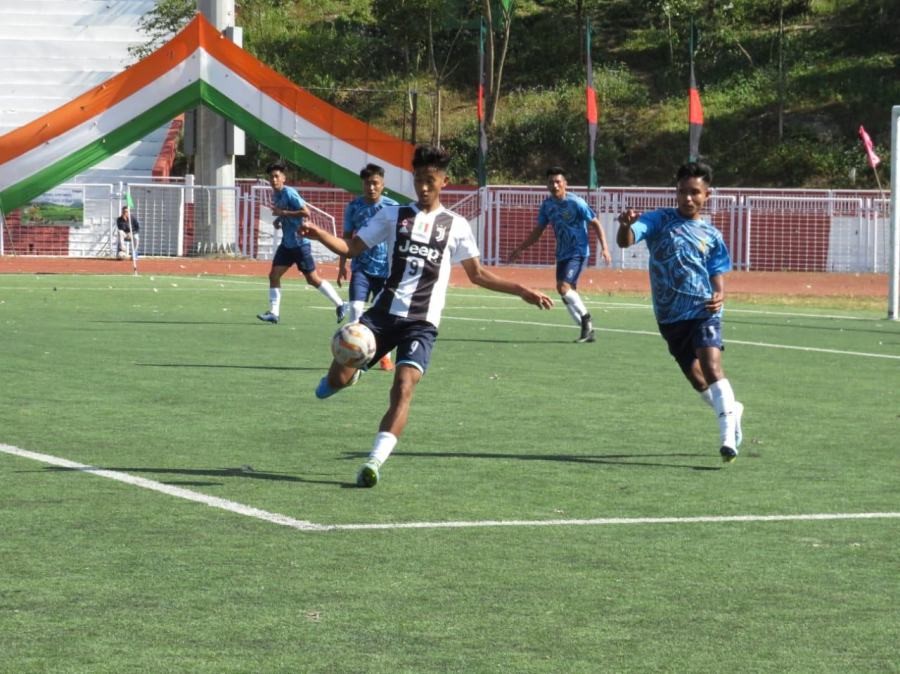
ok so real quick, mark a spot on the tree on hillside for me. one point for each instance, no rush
(161, 23)
(498, 18)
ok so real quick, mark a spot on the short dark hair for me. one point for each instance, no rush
(556, 171)
(694, 169)
(125, 207)
(371, 170)
(432, 156)
(276, 166)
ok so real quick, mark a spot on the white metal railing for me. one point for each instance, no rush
(766, 230)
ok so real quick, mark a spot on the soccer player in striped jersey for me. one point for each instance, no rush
(688, 262)
(570, 217)
(290, 211)
(369, 269)
(424, 239)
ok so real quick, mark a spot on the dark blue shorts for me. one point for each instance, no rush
(685, 337)
(300, 256)
(364, 287)
(569, 270)
(413, 340)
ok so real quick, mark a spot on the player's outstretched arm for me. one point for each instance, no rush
(335, 244)
(302, 212)
(601, 241)
(487, 279)
(624, 236)
(530, 240)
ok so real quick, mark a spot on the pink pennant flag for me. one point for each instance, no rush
(870, 152)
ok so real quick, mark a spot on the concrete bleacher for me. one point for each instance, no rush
(52, 51)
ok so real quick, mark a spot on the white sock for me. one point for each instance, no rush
(356, 310)
(576, 307)
(328, 290)
(275, 300)
(383, 446)
(723, 404)
(706, 396)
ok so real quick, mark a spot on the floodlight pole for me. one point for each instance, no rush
(894, 288)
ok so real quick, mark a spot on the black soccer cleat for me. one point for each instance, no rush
(587, 330)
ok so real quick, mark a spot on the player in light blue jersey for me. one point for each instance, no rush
(570, 217)
(688, 262)
(369, 269)
(290, 210)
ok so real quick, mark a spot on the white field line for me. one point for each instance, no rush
(649, 333)
(303, 525)
(605, 521)
(178, 492)
(253, 283)
(766, 345)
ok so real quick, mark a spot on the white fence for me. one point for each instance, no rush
(766, 230)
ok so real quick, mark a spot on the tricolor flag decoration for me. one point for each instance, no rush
(873, 158)
(591, 111)
(482, 132)
(695, 116)
(197, 67)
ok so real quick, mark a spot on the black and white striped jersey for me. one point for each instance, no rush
(422, 247)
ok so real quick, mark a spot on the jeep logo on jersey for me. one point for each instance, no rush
(420, 250)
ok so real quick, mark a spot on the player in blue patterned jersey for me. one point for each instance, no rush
(570, 217)
(290, 210)
(370, 269)
(688, 262)
(424, 239)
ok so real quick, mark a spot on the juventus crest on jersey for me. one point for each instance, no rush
(422, 247)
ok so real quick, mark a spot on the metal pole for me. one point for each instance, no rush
(894, 288)
(415, 116)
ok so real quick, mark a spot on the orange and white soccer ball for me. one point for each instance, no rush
(353, 345)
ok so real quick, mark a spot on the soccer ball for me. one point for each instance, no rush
(353, 345)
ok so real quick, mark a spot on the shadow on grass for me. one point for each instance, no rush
(146, 322)
(323, 368)
(609, 459)
(242, 472)
(523, 342)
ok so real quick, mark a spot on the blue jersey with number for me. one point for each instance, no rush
(684, 256)
(289, 199)
(373, 261)
(569, 218)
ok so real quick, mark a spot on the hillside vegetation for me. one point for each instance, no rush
(785, 84)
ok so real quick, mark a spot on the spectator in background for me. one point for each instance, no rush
(127, 227)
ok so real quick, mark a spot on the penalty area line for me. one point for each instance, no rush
(303, 525)
(178, 492)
